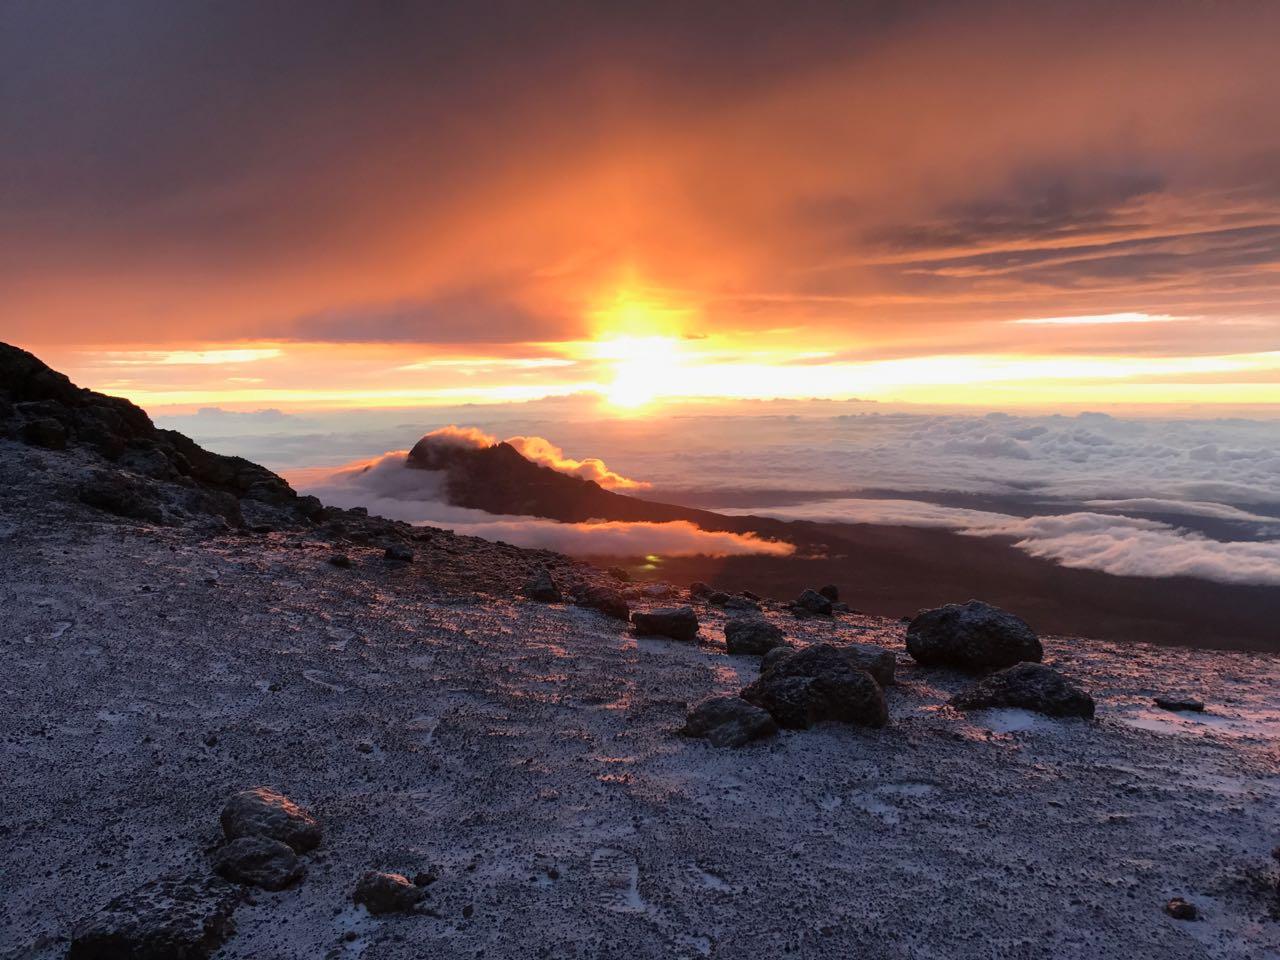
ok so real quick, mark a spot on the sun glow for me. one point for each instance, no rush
(638, 342)
(644, 369)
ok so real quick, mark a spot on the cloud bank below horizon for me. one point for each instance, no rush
(1119, 545)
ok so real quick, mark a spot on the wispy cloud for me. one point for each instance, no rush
(1100, 319)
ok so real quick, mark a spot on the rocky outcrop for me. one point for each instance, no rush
(728, 722)
(815, 684)
(380, 893)
(752, 636)
(258, 861)
(971, 636)
(168, 919)
(261, 812)
(1028, 686)
(680, 623)
(155, 475)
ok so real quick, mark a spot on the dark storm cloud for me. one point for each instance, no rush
(1036, 205)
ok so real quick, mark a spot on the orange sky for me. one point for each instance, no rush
(390, 206)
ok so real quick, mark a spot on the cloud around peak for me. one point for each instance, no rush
(538, 449)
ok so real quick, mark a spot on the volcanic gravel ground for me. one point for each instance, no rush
(524, 754)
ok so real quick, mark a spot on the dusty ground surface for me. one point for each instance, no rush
(524, 753)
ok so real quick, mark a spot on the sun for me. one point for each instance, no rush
(639, 346)
(642, 369)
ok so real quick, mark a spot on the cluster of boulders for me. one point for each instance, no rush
(264, 832)
(846, 683)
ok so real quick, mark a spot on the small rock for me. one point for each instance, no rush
(657, 591)
(542, 587)
(830, 591)
(607, 600)
(619, 574)
(741, 605)
(340, 560)
(168, 919)
(398, 553)
(1180, 909)
(387, 893)
(679, 623)
(815, 684)
(261, 812)
(728, 722)
(1028, 686)
(1179, 704)
(972, 636)
(717, 598)
(698, 590)
(258, 862)
(752, 636)
(811, 601)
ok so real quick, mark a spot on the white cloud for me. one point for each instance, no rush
(1193, 508)
(540, 451)
(1140, 548)
(1119, 545)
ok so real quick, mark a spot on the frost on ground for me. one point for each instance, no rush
(524, 754)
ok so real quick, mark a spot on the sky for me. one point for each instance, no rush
(329, 205)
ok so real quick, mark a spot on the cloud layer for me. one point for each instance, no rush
(1119, 545)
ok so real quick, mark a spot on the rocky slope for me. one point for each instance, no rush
(521, 761)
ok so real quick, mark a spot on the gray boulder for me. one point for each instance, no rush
(1179, 704)
(752, 636)
(815, 684)
(382, 892)
(398, 553)
(542, 587)
(261, 812)
(775, 657)
(830, 591)
(728, 722)
(877, 661)
(1029, 686)
(811, 601)
(607, 600)
(740, 605)
(258, 862)
(971, 636)
(168, 919)
(679, 623)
